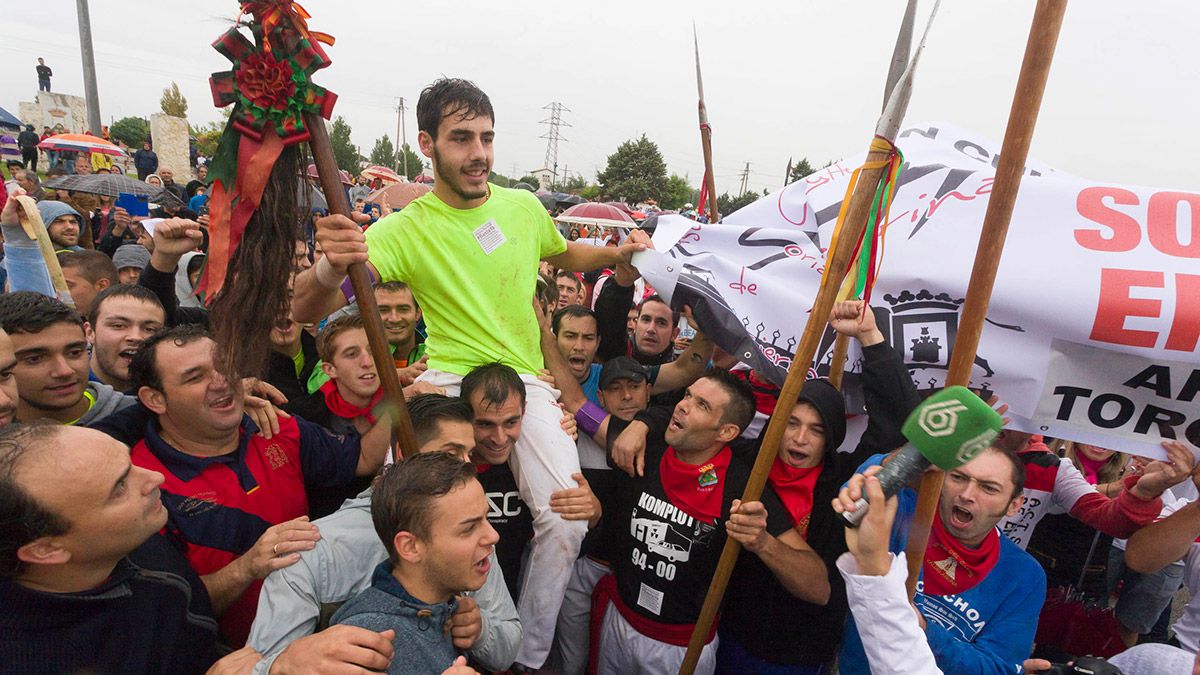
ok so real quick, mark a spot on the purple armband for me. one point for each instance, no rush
(589, 418)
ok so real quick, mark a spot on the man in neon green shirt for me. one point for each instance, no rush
(469, 251)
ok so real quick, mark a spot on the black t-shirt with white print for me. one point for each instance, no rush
(509, 515)
(668, 534)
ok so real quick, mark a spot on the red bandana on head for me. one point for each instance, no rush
(795, 489)
(343, 408)
(950, 567)
(695, 489)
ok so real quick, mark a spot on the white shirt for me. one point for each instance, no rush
(887, 623)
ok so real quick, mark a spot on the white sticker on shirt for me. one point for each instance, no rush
(489, 236)
(650, 599)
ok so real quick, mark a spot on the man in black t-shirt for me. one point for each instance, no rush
(43, 73)
(672, 522)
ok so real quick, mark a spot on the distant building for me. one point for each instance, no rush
(545, 178)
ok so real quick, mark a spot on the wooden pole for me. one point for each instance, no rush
(710, 180)
(837, 263)
(31, 222)
(403, 437)
(1022, 117)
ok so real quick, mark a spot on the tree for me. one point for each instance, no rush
(132, 131)
(344, 151)
(383, 153)
(727, 205)
(172, 102)
(208, 136)
(590, 192)
(677, 194)
(800, 170)
(416, 163)
(530, 180)
(635, 172)
(572, 184)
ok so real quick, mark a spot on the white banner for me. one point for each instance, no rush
(1113, 270)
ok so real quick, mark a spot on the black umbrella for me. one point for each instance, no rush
(571, 199)
(112, 185)
(548, 201)
(306, 193)
(524, 186)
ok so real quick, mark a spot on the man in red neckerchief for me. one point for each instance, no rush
(673, 520)
(979, 595)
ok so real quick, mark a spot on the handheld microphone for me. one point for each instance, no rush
(947, 430)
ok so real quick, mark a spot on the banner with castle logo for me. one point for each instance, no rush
(1098, 289)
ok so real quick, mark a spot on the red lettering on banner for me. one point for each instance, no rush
(1116, 304)
(1126, 233)
(1185, 329)
(1163, 223)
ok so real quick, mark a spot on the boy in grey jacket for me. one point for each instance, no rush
(431, 514)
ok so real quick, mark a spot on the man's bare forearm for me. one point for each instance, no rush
(312, 301)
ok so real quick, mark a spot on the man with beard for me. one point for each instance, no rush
(62, 224)
(469, 251)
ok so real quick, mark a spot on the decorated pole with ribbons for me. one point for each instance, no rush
(255, 214)
(1022, 118)
(900, 58)
(859, 209)
(708, 188)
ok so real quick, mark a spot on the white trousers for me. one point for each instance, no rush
(575, 618)
(542, 463)
(624, 651)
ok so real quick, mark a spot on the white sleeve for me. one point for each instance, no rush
(887, 623)
(1069, 486)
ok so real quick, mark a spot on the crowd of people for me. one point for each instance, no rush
(581, 450)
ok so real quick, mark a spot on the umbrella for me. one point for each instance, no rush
(8, 120)
(307, 193)
(422, 178)
(112, 185)
(548, 201)
(572, 199)
(399, 195)
(603, 215)
(523, 186)
(381, 172)
(81, 143)
(342, 174)
(622, 206)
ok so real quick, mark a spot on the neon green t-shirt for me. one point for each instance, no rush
(473, 272)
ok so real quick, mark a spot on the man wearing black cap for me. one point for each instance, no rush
(806, 475)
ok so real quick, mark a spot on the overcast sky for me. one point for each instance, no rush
(782, 79)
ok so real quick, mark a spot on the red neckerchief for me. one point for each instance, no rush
(795, 489)
(695, 489)
(951, 568)
(340, 407)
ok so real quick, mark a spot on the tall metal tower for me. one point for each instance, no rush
(552, 136)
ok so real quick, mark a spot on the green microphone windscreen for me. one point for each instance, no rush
(951, 427)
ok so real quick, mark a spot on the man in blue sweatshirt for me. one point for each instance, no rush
(431, 513)
(979, 594)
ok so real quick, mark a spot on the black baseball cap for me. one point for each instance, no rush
(620, 368)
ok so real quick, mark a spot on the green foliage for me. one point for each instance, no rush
(590, 192)
(500, 179)
(727, 205)
(635, 172)
(573, 184)
(209, 135)
(530, 180)
(383, 153)
(172, 102)
(677, 194)
(800, 170)
(344, 151)
(132, 131)
(416, 163)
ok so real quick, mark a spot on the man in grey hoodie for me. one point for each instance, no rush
(431, 514)
(52, 362)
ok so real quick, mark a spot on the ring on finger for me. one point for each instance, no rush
(275, 550)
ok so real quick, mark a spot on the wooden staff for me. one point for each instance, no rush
(31, 222)
(710, 180)
(403, 437)
(1031, 84)
(900, 58)
(836, 265)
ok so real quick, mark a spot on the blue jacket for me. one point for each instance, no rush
(986, 629)
(421, 645)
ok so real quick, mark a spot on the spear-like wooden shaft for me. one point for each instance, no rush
(900, 57)
(836, 265)
(403, 438)
(710, 180)
(1022, 117)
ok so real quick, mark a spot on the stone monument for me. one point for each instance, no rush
(170, 137)
(63, 113)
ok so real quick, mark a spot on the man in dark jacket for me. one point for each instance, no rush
(27, 140)
(145, 161)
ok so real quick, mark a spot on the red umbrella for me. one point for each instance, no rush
(593, 213)
(81, 143)
(381, 172)
(399, 195)
(624, 208)
(342, 174)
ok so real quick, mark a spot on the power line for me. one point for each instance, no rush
(552, 136)
(745, 175)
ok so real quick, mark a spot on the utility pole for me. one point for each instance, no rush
(552, 136)
(745, 177)
(401, 137)
(787, 173)
(89, 66)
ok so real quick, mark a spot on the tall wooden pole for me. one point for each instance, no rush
(837, 263)
(1022, 117)
(381, 352)
(900, 58)
(710, 180)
